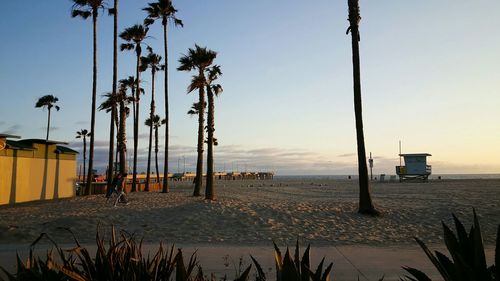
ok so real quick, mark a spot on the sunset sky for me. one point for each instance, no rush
(430, 78)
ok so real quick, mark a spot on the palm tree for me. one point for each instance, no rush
(153, 62)
(134, 36)
(121, 137)
(110, 105)
(85, 9)
(114, 12)
(198, 59)
(129, 83)
(83, 134)
(212, 89)
(119, 100)
(47, 101)
(156, 123)
(165, 10)
(365, 202)
(111, 101)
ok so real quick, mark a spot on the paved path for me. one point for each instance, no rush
(350, 262)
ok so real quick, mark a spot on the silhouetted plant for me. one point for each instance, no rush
(36, 268)
(121, 260)
(468, 261)
(293, 268)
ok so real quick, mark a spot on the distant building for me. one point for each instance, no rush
(35, 170)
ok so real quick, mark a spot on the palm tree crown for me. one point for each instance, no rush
(135, 34)
(151, 61)
(109, 102)
(197, 58)
(162, 9)
(82, 133)
(87, 8)
(48, 101)
(156, 121)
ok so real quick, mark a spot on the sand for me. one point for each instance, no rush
(252, 214)
(322, 212)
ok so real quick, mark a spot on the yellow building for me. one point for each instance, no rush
(35, 170)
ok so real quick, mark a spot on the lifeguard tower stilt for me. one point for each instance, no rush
(415, 167)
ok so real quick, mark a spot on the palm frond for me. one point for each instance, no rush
(80, 13)
(46, 101)
(126, 46)
(197, 82)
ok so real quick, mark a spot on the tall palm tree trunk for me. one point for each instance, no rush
(151, 116)
(166, 188)
(365, 202)
(210, 191)
(134, 105)
(201, 122)
(122, 138)
(136, 121)
(48, 124)
(94, 94)
(113, 106)
(156, 155)
(84, 157)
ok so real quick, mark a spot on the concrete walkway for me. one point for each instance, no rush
(350, 262)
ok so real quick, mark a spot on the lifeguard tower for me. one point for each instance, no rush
(415, 167)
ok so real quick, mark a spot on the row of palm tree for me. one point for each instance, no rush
(198, 59)
(164, 10)
(133, 37)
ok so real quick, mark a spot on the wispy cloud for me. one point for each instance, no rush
(283, 161)
(347, 155)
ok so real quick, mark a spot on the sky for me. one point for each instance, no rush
(429, 71)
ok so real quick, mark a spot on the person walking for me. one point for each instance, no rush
(118, 187)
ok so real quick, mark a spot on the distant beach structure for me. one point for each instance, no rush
(35, 170)
(415, 167)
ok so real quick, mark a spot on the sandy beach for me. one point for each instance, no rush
(320, 212)
(252, 214)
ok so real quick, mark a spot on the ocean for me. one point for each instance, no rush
(343, 177)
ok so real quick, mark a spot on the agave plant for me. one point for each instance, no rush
(293, 268)
(36, 268)
(468, 261)
(121, 260)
